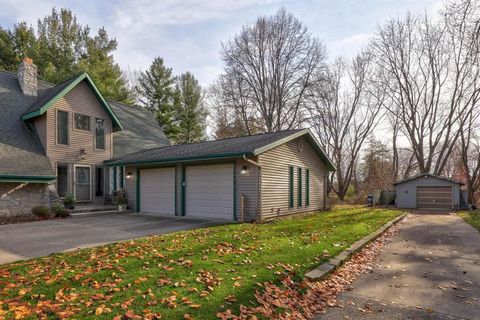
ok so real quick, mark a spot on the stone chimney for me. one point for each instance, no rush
(27, 77)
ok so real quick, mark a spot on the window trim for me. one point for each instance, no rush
(67, 165)
(307, 187)
(57, 127)
(299, 187)
(95, 136)
(89, 122)
(291, 174)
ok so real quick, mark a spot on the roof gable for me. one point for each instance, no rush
(428, 175)
(223, 148)
(42, 104)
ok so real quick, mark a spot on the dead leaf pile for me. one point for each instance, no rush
(304, 299)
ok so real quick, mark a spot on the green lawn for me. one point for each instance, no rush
(197, 272)
(472, 217)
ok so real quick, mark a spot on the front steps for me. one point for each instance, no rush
(83, 210)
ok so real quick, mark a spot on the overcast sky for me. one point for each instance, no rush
(188, 33)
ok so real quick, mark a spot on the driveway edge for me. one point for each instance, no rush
(334, 263)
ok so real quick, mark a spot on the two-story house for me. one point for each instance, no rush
(55, 138)
(67, 139)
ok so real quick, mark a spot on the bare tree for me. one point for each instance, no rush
(426, 67)
(269, 66)
(344, 113)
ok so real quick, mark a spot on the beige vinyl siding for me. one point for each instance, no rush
(248, 186)
(131, 187)
(40, 124)
(79, 100)
(274, 179)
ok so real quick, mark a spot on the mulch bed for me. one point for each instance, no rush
(302, 299)
(23, 219)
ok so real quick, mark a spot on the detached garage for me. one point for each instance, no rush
(243, 179)
(428, 191)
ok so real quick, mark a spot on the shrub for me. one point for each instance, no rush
(58, 210)
(41, 211)
(69, 201)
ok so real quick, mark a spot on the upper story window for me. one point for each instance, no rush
(99, 133)
(62, 127)
(82, 122)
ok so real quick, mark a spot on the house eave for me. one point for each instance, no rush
(27, 179)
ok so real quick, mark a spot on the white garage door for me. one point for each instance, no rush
(157, 190)
(209, 191)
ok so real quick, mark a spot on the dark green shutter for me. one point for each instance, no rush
(114, 178)
(307, 187)
(299, 199)
(290, 187)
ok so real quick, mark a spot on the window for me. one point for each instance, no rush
(121, 176)
(299, 187)
(99, 182)
(62, 127)
(290, 187)
(82, 122)
(99, 133)
(307, 187)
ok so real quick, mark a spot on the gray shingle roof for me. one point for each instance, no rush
(223, 148)
(423, 175)
(140, 130)
(21, 153)
(49, 94)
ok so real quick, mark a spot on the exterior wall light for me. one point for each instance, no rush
(244, 171)
(82, 153)
(129, 175)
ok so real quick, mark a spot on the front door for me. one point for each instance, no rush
(82, 183)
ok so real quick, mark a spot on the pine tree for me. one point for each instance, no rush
(189, 108)
(156, 93)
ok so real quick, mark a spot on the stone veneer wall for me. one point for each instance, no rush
(20, 198)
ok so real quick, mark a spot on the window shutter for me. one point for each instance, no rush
(290, 187)
(299, 199)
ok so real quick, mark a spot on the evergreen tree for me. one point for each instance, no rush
(189, 108)
(155, 89)
(63, 48)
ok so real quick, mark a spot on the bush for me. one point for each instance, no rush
(41, 212)
(69, 201)
(58, 210)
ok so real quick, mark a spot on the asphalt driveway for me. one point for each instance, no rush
(430, 270)
(41, 238)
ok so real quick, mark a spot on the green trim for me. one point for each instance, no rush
(114, 178)
(299, 188)
(307, 187)
(67, 89)
(122, 168)
(176, 193)
(112, 163)
(30, 179)
(235, 218)
(314, 142)
(182, 211)
(290, 186)
(137, 192)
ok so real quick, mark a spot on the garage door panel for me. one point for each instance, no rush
(434, 197)
(157, 190)
(209, 191)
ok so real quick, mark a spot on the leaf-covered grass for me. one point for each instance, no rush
(471, 217)
(197, 272)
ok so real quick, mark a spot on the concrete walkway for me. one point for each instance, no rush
(430, 270)
(35, 239)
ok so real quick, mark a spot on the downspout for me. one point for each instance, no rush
(259, 178)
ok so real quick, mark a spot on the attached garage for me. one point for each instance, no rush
(243, 179)
(429, 192)
(157, 187)
(209, 191)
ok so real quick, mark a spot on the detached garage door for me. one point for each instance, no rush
(157, 190)
(209, 191)
(434, 198)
